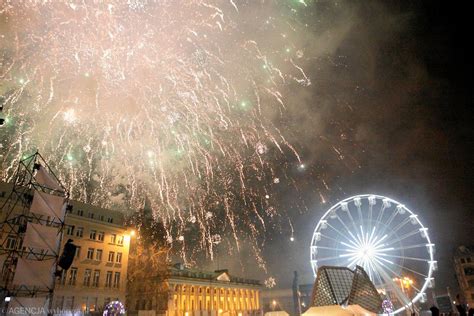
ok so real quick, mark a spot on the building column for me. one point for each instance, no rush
(226, 300)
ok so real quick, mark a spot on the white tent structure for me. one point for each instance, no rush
(336, 310)
(276, 313)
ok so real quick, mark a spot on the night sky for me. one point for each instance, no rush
(408, 79)
(244, 120)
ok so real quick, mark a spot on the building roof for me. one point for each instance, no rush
(79, 209)
(462, 251)
(179, 271)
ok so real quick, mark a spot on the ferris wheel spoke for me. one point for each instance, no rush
(411, 270)
(337, 231)
(404, 257)
(403, 237)
(346, 228)
(359, 211)
(353, 247)
(372, 236)
(407, 247)
(416, 289)
(328, 258)
(330, 238)
(377, 275)
(370, 213)
(328, 248)
(351, 219)
(389, 281)
(352, 261)
(380, 215)
(396, 228)
(384, 266)
(390, 219)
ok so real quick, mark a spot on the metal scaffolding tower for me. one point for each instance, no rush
(31, 227)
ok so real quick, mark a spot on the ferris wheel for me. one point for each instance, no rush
(385, 238)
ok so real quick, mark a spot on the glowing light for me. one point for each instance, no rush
(132, 232)
(70, 116)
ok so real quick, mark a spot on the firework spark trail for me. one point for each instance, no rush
(171, 100)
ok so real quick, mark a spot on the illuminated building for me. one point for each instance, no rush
(464, 267)
(99, 270)
(181, 291)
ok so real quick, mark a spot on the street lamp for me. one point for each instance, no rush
(405, 282)
(274, 305)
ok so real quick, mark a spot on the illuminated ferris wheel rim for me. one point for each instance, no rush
(431, 262)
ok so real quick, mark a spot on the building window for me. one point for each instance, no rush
(117, 280)
(469, 271)
(92, 234)
(79, 232)
(108, 279)
(120, 240)
(100, 236)
(95, 281)
(90, 215)
(98, 255)
(90, 253)
(113, 238)
(80, 212)
(111, 256)
(101, 217)
(72, 276)
(110, 220)
(69, 230)
(119, 257)
(11, 243)
(78, 252)
(87, 277)
(58, 302)
(62, 281)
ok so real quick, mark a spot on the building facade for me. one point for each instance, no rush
(98, 273)
(464, 267)
(187, 292)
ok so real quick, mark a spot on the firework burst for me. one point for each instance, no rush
(175, 102)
